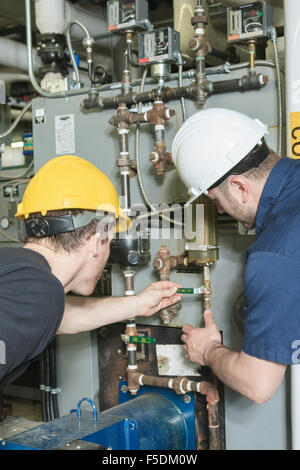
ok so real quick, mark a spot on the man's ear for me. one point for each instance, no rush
(240, 187)
(94, 244)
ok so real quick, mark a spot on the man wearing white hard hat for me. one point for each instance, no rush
(223, 154)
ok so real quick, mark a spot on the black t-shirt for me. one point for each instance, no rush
(32, 302)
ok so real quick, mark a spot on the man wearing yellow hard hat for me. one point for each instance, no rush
(63, 252)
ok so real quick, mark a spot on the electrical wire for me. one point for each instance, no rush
(280, 105)
(17, 177)
(182, 100)
(42, 387)
(154, 211)
(16, 183)
(53, 379)
(180, 83)
(12, 127)
(69, 44)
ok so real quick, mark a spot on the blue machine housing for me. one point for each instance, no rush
(157, 419)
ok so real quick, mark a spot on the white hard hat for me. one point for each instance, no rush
(210, 143)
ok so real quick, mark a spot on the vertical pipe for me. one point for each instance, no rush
(292, 68)
(252, 51)
(50, 15)
(212, 407)
(131, 330)
(207, 285)
(125, 198)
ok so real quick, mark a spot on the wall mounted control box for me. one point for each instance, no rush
(160, 45)
(249, 21)
(126, 15)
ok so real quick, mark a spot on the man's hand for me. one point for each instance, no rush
(157, 296)
(198, 341)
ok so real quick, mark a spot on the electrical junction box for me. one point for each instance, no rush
(158, 46)
(250, 21)
(126, 15)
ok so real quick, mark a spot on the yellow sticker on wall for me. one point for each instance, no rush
(295, 135)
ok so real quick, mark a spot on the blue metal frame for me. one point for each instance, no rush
(113, 429)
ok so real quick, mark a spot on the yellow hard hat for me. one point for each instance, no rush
(70, 182)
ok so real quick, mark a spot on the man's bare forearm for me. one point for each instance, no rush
(88, 313)
(225, 364)
(254, 378)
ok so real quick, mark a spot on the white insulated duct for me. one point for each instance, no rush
(292, 70)
(53, 16)
(14, 54)
(50, 16)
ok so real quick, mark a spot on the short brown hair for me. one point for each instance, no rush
(261, 172)
(69, 241)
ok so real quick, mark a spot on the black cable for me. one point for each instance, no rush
(94, 71)
(42, 387)
(47, 386)
(53, 379)
(130, 52)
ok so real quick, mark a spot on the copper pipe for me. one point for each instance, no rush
(181, 385)
(252, 50)
(131, 330)
(201, 47)
(158, 116)
(213, 426)
(207, 285)
(163, 263)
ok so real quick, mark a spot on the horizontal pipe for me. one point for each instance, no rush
(13, 54)
(181, 385)
(248, 82)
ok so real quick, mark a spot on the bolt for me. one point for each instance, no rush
(119, 351)
(120, 377)
(187, 399)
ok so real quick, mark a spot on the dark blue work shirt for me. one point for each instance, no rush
(272, 274)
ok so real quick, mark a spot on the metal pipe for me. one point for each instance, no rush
(213, 426)
(181, 385)
(125, 199)
(206, 283)
(246, 83)
(131, 330)
(69, 44)
(280, 105)
(252, 50)
(36, 86)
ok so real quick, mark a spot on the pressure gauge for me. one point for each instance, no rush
(159, 46)
(250, 21)
(4, 223)
(126, 15)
